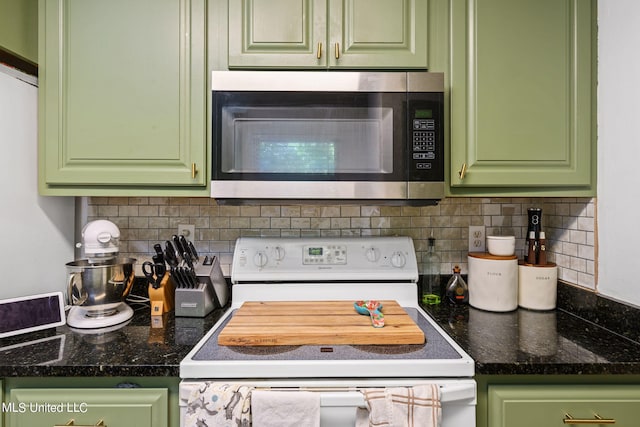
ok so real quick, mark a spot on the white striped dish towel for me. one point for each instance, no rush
(417, 406)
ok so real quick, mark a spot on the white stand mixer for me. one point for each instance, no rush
(98, 285)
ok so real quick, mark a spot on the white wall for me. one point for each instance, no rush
(37, 232)
(618, 213)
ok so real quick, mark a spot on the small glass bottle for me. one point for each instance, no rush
(457, 291)
(430, 289)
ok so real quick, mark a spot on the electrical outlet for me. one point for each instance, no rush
(187, 230)
(477, 238)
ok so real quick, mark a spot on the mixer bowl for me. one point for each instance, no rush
(99, 288)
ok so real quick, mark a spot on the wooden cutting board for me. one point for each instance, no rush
(318, 323)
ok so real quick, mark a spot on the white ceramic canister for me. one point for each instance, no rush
(493, 281)
(538, 286)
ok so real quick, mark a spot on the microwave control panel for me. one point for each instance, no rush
(426, 149)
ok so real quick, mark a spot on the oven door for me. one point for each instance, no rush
(339, 400)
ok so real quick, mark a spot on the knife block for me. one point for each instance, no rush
(162, 299)
(210, 273)
(194, 302)
(211, 293)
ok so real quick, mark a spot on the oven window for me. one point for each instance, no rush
(307, 140)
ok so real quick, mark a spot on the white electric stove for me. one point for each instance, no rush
(321, 269)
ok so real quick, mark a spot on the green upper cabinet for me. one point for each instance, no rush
(18, 32)
(122, 96)
(522, 97)
(373, 34)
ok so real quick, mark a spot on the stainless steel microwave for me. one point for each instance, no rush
(308, 135)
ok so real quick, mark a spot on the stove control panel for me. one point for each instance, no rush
(324, 254)
(310, 259)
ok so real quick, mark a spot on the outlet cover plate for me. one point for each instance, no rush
(187, 230)
(477, 238)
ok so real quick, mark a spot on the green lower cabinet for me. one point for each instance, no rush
(87, 407)
(561, 405)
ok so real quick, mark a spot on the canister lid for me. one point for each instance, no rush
(547, 265)
(487, 255)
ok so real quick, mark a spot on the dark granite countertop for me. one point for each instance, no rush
(586, 335)
(136, 349)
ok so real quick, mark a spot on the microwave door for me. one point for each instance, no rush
(314, 138)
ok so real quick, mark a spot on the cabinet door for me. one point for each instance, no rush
(536, 406)
(278, 33)
(521, 94)
(115, 407)
(378, 33)
(122, 93)
(316, 34)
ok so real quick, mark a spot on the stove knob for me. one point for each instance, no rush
(260, 259)
(398, 260)
(278, 253)
(372, 254)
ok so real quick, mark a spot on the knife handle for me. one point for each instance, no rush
(170, 252)
(178, 245)
(187, 259)
(194, 253)
(158, 249)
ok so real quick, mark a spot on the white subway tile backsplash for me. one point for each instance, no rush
(569, 224)
(578, 237)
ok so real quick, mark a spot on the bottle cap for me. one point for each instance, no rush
(532, 235)
(542, 235)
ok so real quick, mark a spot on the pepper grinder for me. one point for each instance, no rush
(535, 221)
(534, 225)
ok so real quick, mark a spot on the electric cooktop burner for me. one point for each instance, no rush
(436, 347)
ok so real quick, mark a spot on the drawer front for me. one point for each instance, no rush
(550, 406)
(114, 407)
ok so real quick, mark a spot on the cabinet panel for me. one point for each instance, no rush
(18, 34)
(277, 33)
(122, 92)
(319, 34)
(378, 33)
(521, 96)
(535, 406)
(115, 407)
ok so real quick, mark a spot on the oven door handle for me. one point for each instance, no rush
(458, 392)
(342, 398)
(448, 393)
